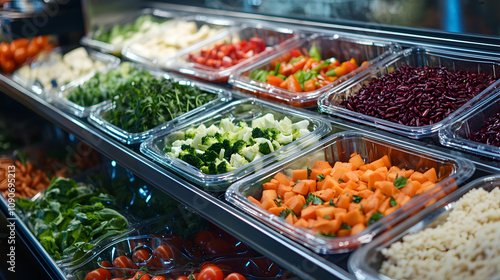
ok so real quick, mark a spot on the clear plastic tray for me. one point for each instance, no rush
(133, 52)
(367, 260)
(417, 56)
(97, 117)
(55, 56)
(62, 101)
(275, 38)
(342, 47)
(125, 18)
(241, 110)
(339, 147)
(456, 134)
(183, 261)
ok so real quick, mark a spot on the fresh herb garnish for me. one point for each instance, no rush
(400, 182)
(345, 226)
(341, 181)
(278, 202)
(393, 202)
(314, 199)
(356, 199)
(332, 204)
(375, 217)
(308, 173)
(286, 212)
(320, 177)
(327, 235)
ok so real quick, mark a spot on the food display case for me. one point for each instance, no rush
(161, 196)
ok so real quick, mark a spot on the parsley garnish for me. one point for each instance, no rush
(332, 204)
(327, 217)
(286, 212)
(356, 199)
(308, 173)
(375, 217)
(393, 202)
(314, 199)
(320, 177)
(278, 202)
(341, 181)
(328, 235)
(345, 226)
(400, 182)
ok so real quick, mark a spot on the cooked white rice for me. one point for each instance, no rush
(466, 246)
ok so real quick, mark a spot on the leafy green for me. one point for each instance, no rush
(356, 199)
(375, 217)
(152, 101)
(320, 177)
(400, 182)
(70, 218)
(313, 199)
(393, 202)
(125, 31)
(345, 226)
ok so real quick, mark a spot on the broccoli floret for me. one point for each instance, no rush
(167, 149)
(238, 147)
(208, 140)
(193, 160)
(209, 156)
(226, 144)
(191, 132)
(242, 124)
(204, 169)
(218, 136)
(237, 161)
(212, 168)
(258, 133)
(222, 167)
(216, 147)
(264, 148)
(272, 133)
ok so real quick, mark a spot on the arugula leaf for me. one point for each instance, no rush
(400, 182)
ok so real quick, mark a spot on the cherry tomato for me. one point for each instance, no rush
(158, 278)
(98, 274)
(211, 272)
(124, 262)
(20, 55)
(32, 49)
(117, 279)
(5, 50)
(8, 65)
(140, 256)
(164, 252)
(182, 278)
(141, 275)
(235, 276)
(41, 41)
(201, 238)
(19, 43)
(106, 264)
(217, 246)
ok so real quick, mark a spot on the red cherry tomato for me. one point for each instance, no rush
(98, 274)
(124, 262)
(41, 41)
(20, 55)
(140, 256)
(182, 278)
(211, 272)
(8, 65)
(201, 238)
(217, 246)
(32, 49)
(19, 43)
(5, 50)
(117, 279)
(235, 276)
(164, 252)
(141, 275)
(106, 264)
(158, 278)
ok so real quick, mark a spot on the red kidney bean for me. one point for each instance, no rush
(417, 96)
(490, 133)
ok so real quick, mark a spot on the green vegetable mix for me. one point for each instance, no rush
(227, 146)
(124, 31)
(70, 218)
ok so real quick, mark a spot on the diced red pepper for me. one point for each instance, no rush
(293, 84)
(274, 80)
(295, 53)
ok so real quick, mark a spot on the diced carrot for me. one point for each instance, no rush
(291, 218)
(299, 64)
(329, 183)
(402, 199)
(321, 164)
(354, 217)
(390, 210)
(386, 187)
(301, 223)
(301, 188)
(299, 174)
(375, 177)
(268, 197)
(325, 194)
(331, 227)
(344, 200)
(343, 232)
(254, 200)
(285, 69)
(311, 184)
(292, 84)
(337, 190)
(320, 223)
(353, 61)
(382, 162)
(296, 203)
(365, 193)
(283, 84)
(384, 205)
(282, 179)
(354, 207)
(357, 228)
(276, 210)
(408, 173)
(411, 188)
(431, 175)
(426, 187)
(370, 203)
(308, 64)
(352, 185)
(328, 211)
(351, 175)
(356, 160)
(417, 176)
(338, 212)
(314, 174)
(274, 80)
(366, 176)
(270, 186)
(382, 169)
(288, 195)
(339, 173)
(282, 189)
(309, 212)
(367, 166)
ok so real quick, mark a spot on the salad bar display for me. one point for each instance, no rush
(198, 164)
